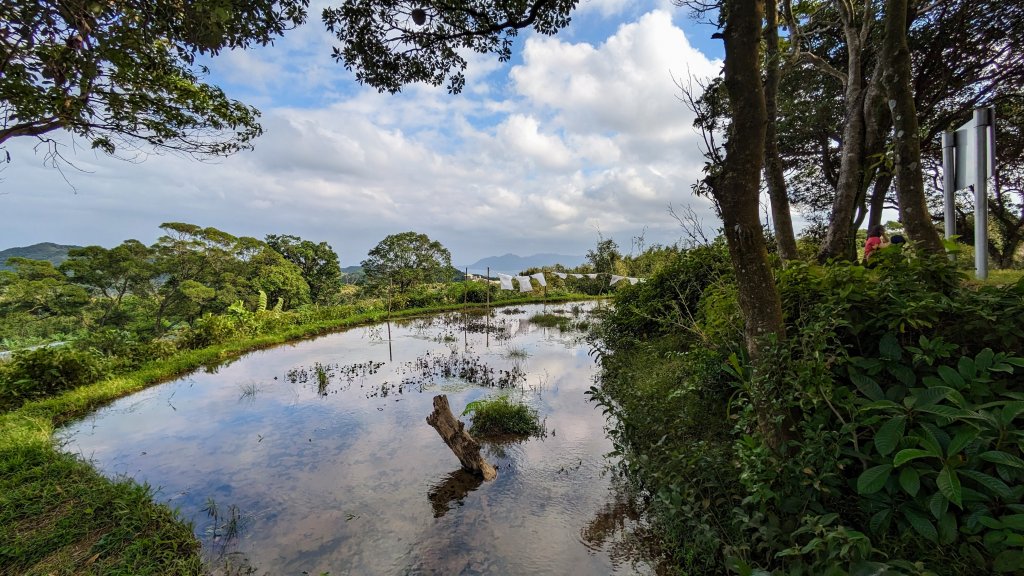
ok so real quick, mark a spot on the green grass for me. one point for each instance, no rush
(550, 320)
(59, 516)
(500, 416)
(999, 277)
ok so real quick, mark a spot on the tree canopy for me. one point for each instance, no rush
(392, 43)
(405, 260)
(318, 263)
(124, 74)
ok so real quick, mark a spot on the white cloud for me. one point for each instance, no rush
(579, 137)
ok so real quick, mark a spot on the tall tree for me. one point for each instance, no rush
(111, 274)
(737, 186)
(318, 263)
(774, 172)
(122, 73)
(405, 260)
(896, 75)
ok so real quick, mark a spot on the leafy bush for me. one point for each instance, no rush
(669, 299)
(43, 372)
(898, 400)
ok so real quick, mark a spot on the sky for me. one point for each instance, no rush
(581, 134)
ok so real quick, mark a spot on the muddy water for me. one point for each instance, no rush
(284, 471)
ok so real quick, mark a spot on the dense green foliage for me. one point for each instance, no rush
(318, 263)
(897, 395)
(123, 73)
(406, 260)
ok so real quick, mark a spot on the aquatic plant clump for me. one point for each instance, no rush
(500, 416)
(470, 369)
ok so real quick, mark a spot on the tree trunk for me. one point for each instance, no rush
(878, 194)
(839, 240)
(774, 176)
(453, 432)
(906, 138)
(737, 188)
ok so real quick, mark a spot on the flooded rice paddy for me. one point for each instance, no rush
(315, 457)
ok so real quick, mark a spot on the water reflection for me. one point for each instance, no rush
(321, 452)
(452, 490)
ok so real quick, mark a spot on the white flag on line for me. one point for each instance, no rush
(506, 282)
(577, 275)
(633, 281)
(561, 274)
(615, 279)
(591, 275)
(540, 278)
(524, 284)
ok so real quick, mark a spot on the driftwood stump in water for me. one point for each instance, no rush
(453, 433)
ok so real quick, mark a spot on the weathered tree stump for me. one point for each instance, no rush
(454, 434)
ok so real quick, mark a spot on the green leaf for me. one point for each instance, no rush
(910, 480)
(1013, 521)
(1002, 458)
(951, 377)
(908, 454)
(990, 522)
(1009, 561)
(929, 396)
(1011, 411)
(890, 434)
(879, 523)
(903, 373)
(947, 529)
(990, 483)
(873, 479)
(921, 524)
(866, 385)
(984, 359)
(966, 368)
(938, 504)
(889, 347)
(949, 485)
(961, 440)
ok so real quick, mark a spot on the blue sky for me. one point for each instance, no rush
(581, 133)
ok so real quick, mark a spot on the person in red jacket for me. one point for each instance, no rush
(876, 239)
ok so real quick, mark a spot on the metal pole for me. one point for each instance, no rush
(949, 180)
(981, 124)
(487, 315)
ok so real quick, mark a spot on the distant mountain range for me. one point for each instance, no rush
(55, 253)
(512, 263)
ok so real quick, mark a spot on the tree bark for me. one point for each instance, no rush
(906, 138)
(737, 187)
(839, 240)
(774, 176)
(464, 446)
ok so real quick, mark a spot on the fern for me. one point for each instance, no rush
(279, 306)
(262, 307)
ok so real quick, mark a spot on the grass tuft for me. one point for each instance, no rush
(500, 416)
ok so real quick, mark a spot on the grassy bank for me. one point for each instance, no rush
(59, 516)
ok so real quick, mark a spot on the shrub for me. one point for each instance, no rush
(44, 372)
(669, 299)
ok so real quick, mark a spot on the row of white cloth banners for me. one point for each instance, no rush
(524, 281)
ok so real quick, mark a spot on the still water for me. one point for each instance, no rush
(315, 457)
